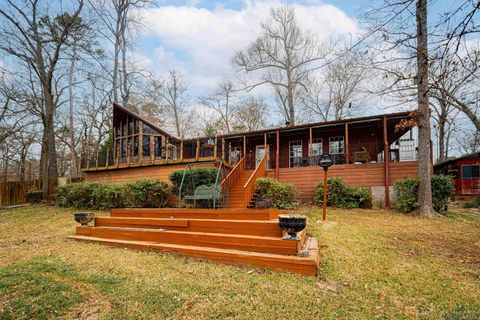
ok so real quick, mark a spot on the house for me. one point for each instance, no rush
(290, 154)
(465, 171)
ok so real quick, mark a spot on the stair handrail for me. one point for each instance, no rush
(216, 181)
(229, 180)
(189, 167)
(249, 186)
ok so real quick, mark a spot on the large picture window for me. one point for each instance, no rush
(471, 171)
(295, 153)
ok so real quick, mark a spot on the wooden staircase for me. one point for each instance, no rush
(236, 197)
(235, 236)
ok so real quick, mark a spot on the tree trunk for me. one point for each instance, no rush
(424, 195)
(124, 70)
(73, 152)
(441, 137)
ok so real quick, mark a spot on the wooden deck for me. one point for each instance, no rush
(234, 236)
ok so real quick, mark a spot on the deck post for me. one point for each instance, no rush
(244, 145)
(347, 149)
(114, 145)
(96, 159)
(265, 145)
(181, 149)
(152, 149)
(108, 154)
(387, 163)
(197, 152)
(140, 142)
(215, 148)
(310, 146)
(229, 151)
(88, 157)
(166, 149)
(277, 156)
(223, 149)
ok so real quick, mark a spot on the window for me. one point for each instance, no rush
(295, 153)
(336, 145)
(148, 130)
(135, 146)
(471, 171)
(146, 146)
(317, 147)
(158, 146)
(124, 148)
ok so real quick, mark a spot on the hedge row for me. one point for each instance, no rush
(144, 193)
(341, 195)
(199, 176)
(442, 190)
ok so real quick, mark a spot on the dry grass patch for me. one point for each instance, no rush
(374, 264)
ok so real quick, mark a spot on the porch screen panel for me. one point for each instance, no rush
(295, 153)
(158, 146)
(317, 149)
(336, 148)
(146, 146)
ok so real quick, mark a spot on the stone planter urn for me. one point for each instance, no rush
(292, 224)
(84, 218)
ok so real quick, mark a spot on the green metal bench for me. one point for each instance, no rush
(205, 193)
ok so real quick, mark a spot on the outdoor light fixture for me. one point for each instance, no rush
(325, 162)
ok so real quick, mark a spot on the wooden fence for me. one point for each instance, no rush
(15, 192)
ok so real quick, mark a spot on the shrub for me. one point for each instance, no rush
(472, 204)
(147, 193)
(281, 195)
(34, 195)
(442, 190)
(201, 176)
(96, 196)
(341, 195)
(406, 191)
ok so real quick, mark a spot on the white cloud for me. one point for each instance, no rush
(201, 42)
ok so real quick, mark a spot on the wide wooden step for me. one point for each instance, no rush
(214, 240)
(307, 264)
(247, 227)
(189, 213)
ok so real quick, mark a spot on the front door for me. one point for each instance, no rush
(260, 153)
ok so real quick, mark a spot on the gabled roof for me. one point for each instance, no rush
(144, 120)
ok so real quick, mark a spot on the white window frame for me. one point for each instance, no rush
(336, 149)
(317, 141)
(291, 144)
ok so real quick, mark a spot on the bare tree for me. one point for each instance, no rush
(36, 39)
(118, 18)
(250, 114)
(222, 101)
(282, 57)
(174, 97)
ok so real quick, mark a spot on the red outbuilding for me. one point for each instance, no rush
(466, 172)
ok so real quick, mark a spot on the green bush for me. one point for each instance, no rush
(442, 190)
(341, 195)
(96, 196)
(34, 195)
(406, 192)
(472, 204)
(147, 193)
(201, 176)
(281, 195)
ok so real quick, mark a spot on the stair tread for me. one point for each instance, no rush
(229, 235)
(269, 221)
(292, 258)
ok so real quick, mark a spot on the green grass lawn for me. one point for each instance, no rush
(374, 264)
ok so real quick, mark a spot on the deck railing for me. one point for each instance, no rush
(249, 186)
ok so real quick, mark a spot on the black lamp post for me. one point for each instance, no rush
(325, 162)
